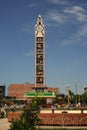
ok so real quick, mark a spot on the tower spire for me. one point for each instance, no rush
(39, 20)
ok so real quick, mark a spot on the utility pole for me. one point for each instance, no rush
(67, 89)
(76, 93)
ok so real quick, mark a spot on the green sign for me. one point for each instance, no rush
(40, 94)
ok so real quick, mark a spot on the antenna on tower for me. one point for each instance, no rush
(39, 16)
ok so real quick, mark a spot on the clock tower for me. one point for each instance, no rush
(39, 55)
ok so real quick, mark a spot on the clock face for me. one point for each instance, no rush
(39, 28)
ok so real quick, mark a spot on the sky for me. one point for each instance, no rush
(65, 42)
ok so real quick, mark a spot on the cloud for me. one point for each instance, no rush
(83, 31)
(73, 17)
(79, 15)
(80, 36)
(77, 12)
(58, 2)
(55, 16)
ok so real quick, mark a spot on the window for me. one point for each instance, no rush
(39, 61)
(39, 39)
(39, 56)
(39, 50)
(40, 73)
(39, 68)
(39, 80)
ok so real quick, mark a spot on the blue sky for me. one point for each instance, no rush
(65, 40)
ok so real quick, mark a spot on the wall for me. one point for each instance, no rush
(58, 119)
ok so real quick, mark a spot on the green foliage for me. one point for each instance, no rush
(84, 98)
(29, 118)
(37, 103)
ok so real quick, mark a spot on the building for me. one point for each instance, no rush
(2, 91)
(39, 87)
(18, 90)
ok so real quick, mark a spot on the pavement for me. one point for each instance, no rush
(4, 124)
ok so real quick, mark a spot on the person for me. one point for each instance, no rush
(3, 112)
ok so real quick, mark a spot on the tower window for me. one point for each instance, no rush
(39, 80)
(39, 73)
(39, 56)
(39, 50)
(39, 67)
(39, 61)
(39, 39)
(39, 45)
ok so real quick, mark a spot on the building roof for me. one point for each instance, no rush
(53, 89)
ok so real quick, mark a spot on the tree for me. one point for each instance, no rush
(29, 118)
(84, 98)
